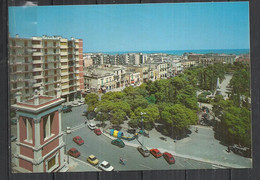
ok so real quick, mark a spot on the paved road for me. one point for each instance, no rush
(101, 147)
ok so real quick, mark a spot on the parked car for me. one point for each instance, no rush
(169, 157)
(143, 150)
(92, 126)
(85, 113)
(68, 130)
(78, 140)
(97, 132)
(118, 142)
(105, 166)
(242, 151)
(92, 160)
(80, 103)
(75, 104)
(131, 131)
(156, 153)
(13, 138)
(74, 152)
(66, 109)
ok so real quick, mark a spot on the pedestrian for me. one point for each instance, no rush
(85, 121)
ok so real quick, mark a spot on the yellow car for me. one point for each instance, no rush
(92, 160)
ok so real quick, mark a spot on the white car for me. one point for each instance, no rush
(80, 103)
(105, 166)
(75, 104)
(92, 126)
(68, 130)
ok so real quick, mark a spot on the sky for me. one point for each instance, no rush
(139, 27)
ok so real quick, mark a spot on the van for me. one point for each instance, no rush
(143, 150)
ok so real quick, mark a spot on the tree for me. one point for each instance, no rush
(91, 100)
(113, 96)
(117, 117)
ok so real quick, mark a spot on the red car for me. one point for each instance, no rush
(169, 158)
(97, 132)
(74, 152)
(78, 140)
(156, 153)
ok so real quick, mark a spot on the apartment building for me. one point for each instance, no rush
(45, 61)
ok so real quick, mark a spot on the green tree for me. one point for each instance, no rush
(117, 117)
(91, 100)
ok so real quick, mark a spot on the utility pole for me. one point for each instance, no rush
(142, 128)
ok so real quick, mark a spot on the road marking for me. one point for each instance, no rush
(145, 166)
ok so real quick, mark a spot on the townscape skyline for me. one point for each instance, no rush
(149, 27)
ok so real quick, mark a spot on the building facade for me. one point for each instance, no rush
(45, 61)
(39, 144)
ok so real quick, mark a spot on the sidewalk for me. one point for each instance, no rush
(77, 165)
(201, 146)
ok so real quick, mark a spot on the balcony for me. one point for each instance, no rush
(37, 84)
(64, 73)
(37, 62)
(63, 53)
(63, 60)
(37, 54)
(64, 86)
(63, 46)
(37, 46)
(64, 80)
(38, 77)
(64, 66)
(77, 53)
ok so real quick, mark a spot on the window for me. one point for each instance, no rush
(51, 163)
(54, 43)
(47, 124)
(28, 125)
(25, 43)
(26, 59)
(45, 44)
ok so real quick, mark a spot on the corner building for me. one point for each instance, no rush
(39, 145)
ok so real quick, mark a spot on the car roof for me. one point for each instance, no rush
(143, 147)
(77, 137)
(73, 149)
(104, 163)
(92, 156)
(156, 150)
(168, 154)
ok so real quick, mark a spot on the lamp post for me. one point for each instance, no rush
(142, 128)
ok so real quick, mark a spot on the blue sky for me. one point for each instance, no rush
(146, 27)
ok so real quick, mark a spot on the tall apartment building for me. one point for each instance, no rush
(47, 61)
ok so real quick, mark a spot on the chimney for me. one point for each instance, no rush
(58, 91)
(17, 35)
(36, 97)
(18, 97)
(41, 90)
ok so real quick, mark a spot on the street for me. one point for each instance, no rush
(101, 147)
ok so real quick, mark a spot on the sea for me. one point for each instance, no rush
(181, 52)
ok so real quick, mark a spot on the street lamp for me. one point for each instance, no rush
(142, 127)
